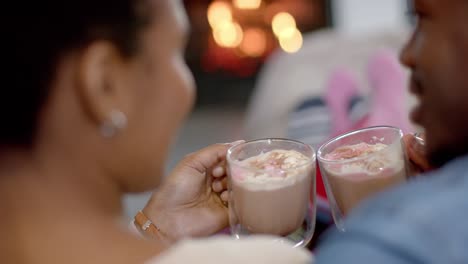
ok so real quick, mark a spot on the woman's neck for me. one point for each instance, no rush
(50, 198)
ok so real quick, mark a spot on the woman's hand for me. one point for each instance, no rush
(191, 201)
(416, 153)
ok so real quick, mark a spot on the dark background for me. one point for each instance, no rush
(222, 75)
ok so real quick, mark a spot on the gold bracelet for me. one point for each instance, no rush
(147, 227)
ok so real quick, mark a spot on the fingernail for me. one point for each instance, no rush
(225, 197)
(418, 143)
(218, 171)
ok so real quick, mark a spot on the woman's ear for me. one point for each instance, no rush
(103, 82)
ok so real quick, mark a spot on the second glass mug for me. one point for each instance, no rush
(269, 198)
(349, 181)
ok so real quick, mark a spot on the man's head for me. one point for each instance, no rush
(437, 55)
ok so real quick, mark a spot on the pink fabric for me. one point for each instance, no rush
(342, 87)
(387, 98)
(387, 95)
(387, 81)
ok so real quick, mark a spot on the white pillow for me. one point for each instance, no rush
(227, 250)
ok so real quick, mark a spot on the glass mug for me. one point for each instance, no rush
(270, 191)
(350, 177)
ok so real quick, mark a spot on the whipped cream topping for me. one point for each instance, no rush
(354, 151)
(273, 169)
(375, 164)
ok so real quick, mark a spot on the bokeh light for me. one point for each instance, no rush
(247, 4)
(292, 43)
(287, 33)
(218, 13)
(254, 43)
(283, 22)
(228, 34)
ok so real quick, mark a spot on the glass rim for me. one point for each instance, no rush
(237, 163)
(351, 133)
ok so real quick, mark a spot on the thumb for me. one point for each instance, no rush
(416, 152)
(208, 157)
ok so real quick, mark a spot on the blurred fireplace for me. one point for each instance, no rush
(230, 40)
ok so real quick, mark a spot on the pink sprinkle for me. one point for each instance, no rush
(349, 152)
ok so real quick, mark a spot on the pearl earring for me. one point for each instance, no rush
(117, 121)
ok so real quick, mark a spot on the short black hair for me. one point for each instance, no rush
(37, 35)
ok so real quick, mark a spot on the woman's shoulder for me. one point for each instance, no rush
(224, 249)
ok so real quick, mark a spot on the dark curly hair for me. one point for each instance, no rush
(37, 35)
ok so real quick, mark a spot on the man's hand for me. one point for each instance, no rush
(416, 153)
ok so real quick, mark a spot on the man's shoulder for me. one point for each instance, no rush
(427, 195)
(426, 217)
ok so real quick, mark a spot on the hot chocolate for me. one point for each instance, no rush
(353, 181)
(270, 191)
